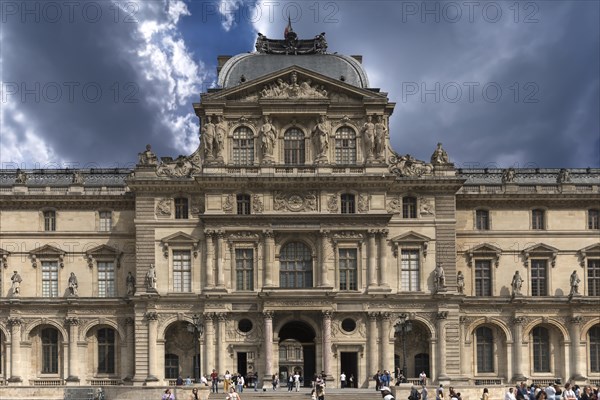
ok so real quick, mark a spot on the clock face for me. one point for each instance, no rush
(295, 202)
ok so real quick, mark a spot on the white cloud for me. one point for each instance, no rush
(228, 10)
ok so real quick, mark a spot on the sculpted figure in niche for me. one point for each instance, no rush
(146, 157)
(368, 130)
(268, 136)
(380, 131)
(77, 178)
(440, 277)
(151, 278)
(508, 175)
(564, 176)
(73, 284)
(208, 137)
(321, 139)
(21, 177)
(574, 281)
(439, 156)
(130, 284)
(16, 283)
(517, 284)
(460, 282)
(221, 132)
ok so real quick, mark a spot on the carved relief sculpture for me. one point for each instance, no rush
(163, 208)
(77, 178)
(564, 176)
(221, 133)
(508, 175)
(229, 202)
(257, 205)
(425, 207)
(408, 166)
(321, 140)
(21, 177)
(363, 202)
(292, 89)
(368, 130)
(439, 156)
(332, 203)
(268, 136)
(295, 202)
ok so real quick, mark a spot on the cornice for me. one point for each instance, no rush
(528, 234)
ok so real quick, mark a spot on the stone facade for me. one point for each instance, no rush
(300, 239)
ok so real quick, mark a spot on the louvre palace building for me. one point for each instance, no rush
(295, 238)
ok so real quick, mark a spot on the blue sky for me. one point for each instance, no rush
(500, 83)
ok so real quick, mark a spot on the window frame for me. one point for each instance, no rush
(544, 359)
(479, 226)
(592, 282)
(350, 274)
(247, 272)
(536, 214)
(243, 203)
(418, 269)
(182, 210)
(345, 147)
(175, 259)
(102, 224)
(347, 203)
(243, 149)
(53, 289)
(54, 349)
(594, 349)
(49, 218)
(535, 288)
(593, 219)
(490, 278)
(308, 275)
(106, 294)
(489, 347)
(409, 207)
(107, 348)
(294, 135)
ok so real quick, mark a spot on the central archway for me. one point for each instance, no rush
(297, 351)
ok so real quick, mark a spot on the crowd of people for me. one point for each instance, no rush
(551, 392)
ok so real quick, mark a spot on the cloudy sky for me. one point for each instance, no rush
(500, 83)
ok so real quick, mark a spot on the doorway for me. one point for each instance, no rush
(297, 350)
(242, 364)
(349, 366)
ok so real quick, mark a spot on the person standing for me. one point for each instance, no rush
(351, 380)
(214, 379)
(240, 383)
(297, 381)
(168, 395)
(510, 395)
(342, 380)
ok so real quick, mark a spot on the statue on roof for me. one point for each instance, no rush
(564, 176)
(147, 157)
(508, 175)
(290, 44)
(21, 177)
(439, 156)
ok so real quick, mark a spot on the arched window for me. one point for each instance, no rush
(345, 146)
(49, 351)
(409, 207)
(347, 203)
(295, 262)
(293, 147)
(171, 366)
(106, 350)
(594, 334)
(243, 146)
(541, 349)
(485, 349)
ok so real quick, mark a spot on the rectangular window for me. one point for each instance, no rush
(105, 221)
(483, 278)
(348, 263)
(482, 220)
(539, 278)
(106, 279)
(49, 351)
(49, 221)
(243, 204)
(244, 269)
(409, 207)
(593, 277)
(182, 271)
(541, 350)
(410, 270)
(106, 351)
(181, 208)
(593, 219)
(49, 279)
(347, 203)
(538, 220)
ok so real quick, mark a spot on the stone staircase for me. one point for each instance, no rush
(303, 394)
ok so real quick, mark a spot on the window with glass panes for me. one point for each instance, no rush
(49, 279)
(49, 221)
(243, 146)
(171, 366)
(295, 266)
(106, 279)
(105, 221)
(485, 349)
(244, 269)
(409, 207)
(538, 219)
(483, 277)
(106, 350)
(410, 269)
(539, 278)
(345, 146)
(593, 219)
(243, 204)
(594, 334)
(182, 271)
(482, 219)
(347, 203)
(293, 147)
(49, 351)
(593, 276)
(181, 208)
(348, 265)
(541, 349)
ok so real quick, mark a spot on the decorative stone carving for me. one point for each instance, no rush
(363, 202)
(291, 44)
(16, 283)
(71, 321)
(394, 206)
(442, 315)
(229, 203)
(151, 278)
(151, 316)
(426, 208)
(73, 284)
(12, 321)
(574, 283)
(20, 177)
(440, 278)
(147, 157)
(320, 138)
(408, 166)
(508, 175)
(208, 135)
(292, 89)
(181, 167)
(295, 202)
(77, 178)
(221, 133)
(268, 137)
(163, 208)
(368, 131)
(460, 282)
(347, 235)
(332, 203)
(564, 176)
(439, 156)
(130, 281)
(257, 205)
(516, 284)
(380, 135)
(5, 259)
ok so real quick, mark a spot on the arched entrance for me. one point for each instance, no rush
(418, 343)
(179, 351)
(297, 351)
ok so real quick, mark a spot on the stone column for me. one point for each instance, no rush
(210, 259)
(324, 248)
(518, 349)
(152, 318)
(465, 354)
(129, 349)
(387, 351)
(327, 342)
(221, 341)
(371, 261)
(209, 343)
(382, 257)
(220, 260)
(372, 346)
(268, 257)
(268, 320)
(15, 347)
(73, 324)
(441, 327)
(575, 344)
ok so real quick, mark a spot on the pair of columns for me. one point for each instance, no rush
(376, 275)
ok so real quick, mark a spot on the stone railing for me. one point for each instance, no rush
(543, 382)
(46, 382)
(488, 382)
(482, 189)
(106, 382)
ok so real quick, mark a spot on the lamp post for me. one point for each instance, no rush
(196, 327)
(403, 327)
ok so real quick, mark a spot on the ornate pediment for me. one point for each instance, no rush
(103, 252)
(484, 249)
(540, 249)
(592, 250)
(410, 238)
(179, 238)
(295, 202)
(47, 251)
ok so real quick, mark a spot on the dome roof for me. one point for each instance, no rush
(254, 65)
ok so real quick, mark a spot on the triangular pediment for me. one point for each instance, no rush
(411, 237)
(103, 250)
(47, 250)
(294, 84)
(485, 248)
(179, 237)
(592, 249)
(540, 248)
